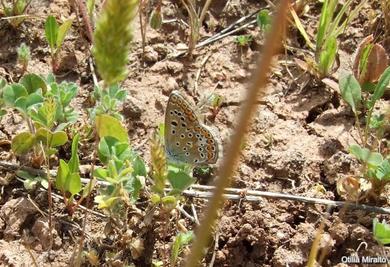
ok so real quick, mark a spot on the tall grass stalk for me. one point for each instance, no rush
(112, 39)
(271, 46)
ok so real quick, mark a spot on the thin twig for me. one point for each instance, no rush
(204, 191)
(61, 198)
(186, 214)
(198, 73)
(225, 32)
(195, 214)
(216, 244)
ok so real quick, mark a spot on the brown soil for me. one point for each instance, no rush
(297, 144)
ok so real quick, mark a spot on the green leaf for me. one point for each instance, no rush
(109, 126)
(58, 139)
(179, 181)
(62, 31)
(139, 168)
(381, 232)
(383, 171)
(22, 143)
(13, 92)
(33, 99)
(74, 159)
(62, 174)
(73, 183)
(263, 19)
(169, 202)
(100, 173)
(3, 83)
(181, 240)
(51, 31)
(350, 91)
(105, 202)
(374, 159)
(327, 55)
(134, 186)
(43, 135)
(380, 87)
(33, 82)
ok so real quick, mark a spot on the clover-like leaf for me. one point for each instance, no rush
(22, 143)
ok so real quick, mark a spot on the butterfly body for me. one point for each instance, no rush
(186, 138)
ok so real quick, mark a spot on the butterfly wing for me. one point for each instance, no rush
(186, 139)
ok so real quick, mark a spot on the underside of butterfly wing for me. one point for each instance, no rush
(186, 139)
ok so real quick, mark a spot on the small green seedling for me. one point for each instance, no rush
(331, 25)
(381, 232)
(44, 120)
(181, 240)
(123, 170)
(44, 105)
(55, 36)
(68, 179)
(15, 9)
(264, 20)
(107, 101)
(24, 56)
(32, 181)
(243, 40)
(376, 166)
(351, 92)
(156, 18)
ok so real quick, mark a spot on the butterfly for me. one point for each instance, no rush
(186, 138)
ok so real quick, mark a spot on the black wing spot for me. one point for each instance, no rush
(182, 136)
(174, 123)
(183, 125)
(177, 144)
(182, 118)
(173, 131)
(184, 149)
(200, 149)
(190, 135)
(196, 161)
(187, 154)
(202, 155)
(171, 112)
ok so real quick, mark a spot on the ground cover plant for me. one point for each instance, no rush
(121, 123)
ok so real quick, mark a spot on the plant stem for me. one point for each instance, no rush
(142, 26)
(255, 91)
